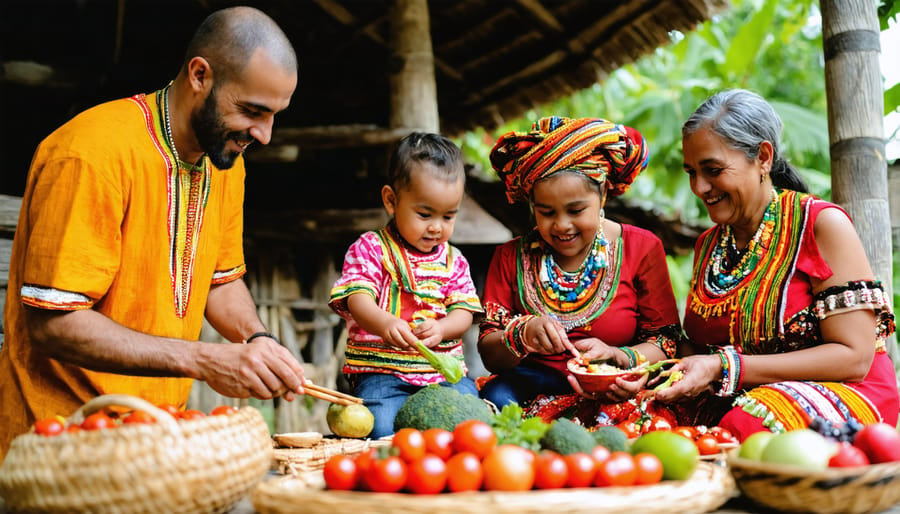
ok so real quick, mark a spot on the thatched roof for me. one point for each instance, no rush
(493, 60)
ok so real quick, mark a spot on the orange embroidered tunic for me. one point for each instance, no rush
(110, 223)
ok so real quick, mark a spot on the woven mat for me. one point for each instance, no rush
(709, 487)
(293, 461)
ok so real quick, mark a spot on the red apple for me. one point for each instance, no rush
(879, 441)
(848, 456)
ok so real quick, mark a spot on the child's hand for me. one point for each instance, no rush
(398, 334)
(429, 332)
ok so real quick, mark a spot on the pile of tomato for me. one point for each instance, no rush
(104, 419)
(469, 459)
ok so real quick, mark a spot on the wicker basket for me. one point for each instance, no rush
(833, 490)
(203, 465)
(709, 487)
(293, 461)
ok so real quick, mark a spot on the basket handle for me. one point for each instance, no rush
(123, 400)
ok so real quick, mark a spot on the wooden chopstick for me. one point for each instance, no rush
(323, 393)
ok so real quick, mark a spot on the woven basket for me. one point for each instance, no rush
(202, 465)
(707, 489)
(834, 490)
(293, 461)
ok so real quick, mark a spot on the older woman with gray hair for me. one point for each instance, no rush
(784, 316)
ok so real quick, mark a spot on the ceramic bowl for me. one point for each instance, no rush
(597, 382)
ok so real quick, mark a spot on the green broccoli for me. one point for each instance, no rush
(613, 438)
(436, 406)
(567, 437)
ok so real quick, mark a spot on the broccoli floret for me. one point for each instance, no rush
(436, 406)
(613, 438)
(567, 437)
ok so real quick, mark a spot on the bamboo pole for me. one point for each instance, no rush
(852, 45)
(413, 87)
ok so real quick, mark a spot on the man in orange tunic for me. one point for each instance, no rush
(131, 231)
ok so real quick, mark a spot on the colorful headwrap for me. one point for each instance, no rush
(600, 149)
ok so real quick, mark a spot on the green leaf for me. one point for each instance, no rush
(749, 42)
(892, 99)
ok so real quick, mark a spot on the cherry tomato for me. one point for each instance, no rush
(508, 467)
(707, 444)
(410, 444)
(426, 475)
(340, 472)
(618, 470)
(600, 453)
(139, 416)
(363, 462)
(74, 428)
(171, 409)
(550, 470)
(49, 426)
(97, 421)
(476, 436)
(222, 410)
(464, 472)
(582, 469)
(630, 428)
(191, 414)
(649, 469)
(723, 435)
(387, 475)
(656, 423)
(689, 432)
(439, 442)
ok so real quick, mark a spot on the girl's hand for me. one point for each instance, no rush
(546, 336)
(592, 348)
(398, 334)
(429, 332)
(700, 371)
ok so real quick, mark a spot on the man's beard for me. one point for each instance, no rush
(213, 135)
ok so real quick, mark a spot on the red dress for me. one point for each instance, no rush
(773, 310)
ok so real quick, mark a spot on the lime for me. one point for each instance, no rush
(677, 453)
(753, 446)
(354, 420)
(804, 448)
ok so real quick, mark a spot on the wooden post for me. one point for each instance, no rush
(852, 45)
(413, 87)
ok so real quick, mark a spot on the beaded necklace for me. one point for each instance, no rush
(570, 285)
(725, 274)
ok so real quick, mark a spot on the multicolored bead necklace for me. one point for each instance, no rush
(724, 274)
(569, 286)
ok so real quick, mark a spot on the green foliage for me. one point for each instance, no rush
(511, 427)
(887, 11)
(437, 406)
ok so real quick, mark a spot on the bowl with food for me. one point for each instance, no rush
(598, 376)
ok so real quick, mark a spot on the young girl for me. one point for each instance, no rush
(406, 283)
(578, 283)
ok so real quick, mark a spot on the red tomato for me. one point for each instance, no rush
(222, 410)
(600, 453)
(73, 428)
(879, 441)
(439, 442)
(689, 432)
(49, 427)
(171, 409)
(619, 469)
(97, 421)
(464, 472)
(363, 462)
(340, 472)
(508, 467)
(139, 416)
(410, 444)
(848, 456)
(474, 436)
(191, 414)
(631, 430)
(656, 423)
(649, 469)
(550, 470)
(723, 435)
(582, 469)
(426, 475)
(707, 444)
(387, 475)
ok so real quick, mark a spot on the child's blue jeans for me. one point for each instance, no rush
(384, 394)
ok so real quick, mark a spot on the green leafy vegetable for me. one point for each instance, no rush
(512, 428)
(446, 365)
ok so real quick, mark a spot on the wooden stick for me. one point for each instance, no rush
(313, 388)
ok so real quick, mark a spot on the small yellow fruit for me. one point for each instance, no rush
(354, 420)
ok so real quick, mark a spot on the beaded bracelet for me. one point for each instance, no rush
(514, 335)
(732, 371)
(634, 357)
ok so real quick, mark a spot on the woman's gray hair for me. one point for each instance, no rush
(743, 120)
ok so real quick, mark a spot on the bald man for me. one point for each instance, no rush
(131, 232)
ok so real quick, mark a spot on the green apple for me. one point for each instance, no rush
(752, 447)
(803, 448)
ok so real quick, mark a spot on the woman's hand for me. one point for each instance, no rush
(700, 371)
(624, 388)
(545, 335)
(592, 348)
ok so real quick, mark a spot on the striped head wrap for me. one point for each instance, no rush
(600, 149)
